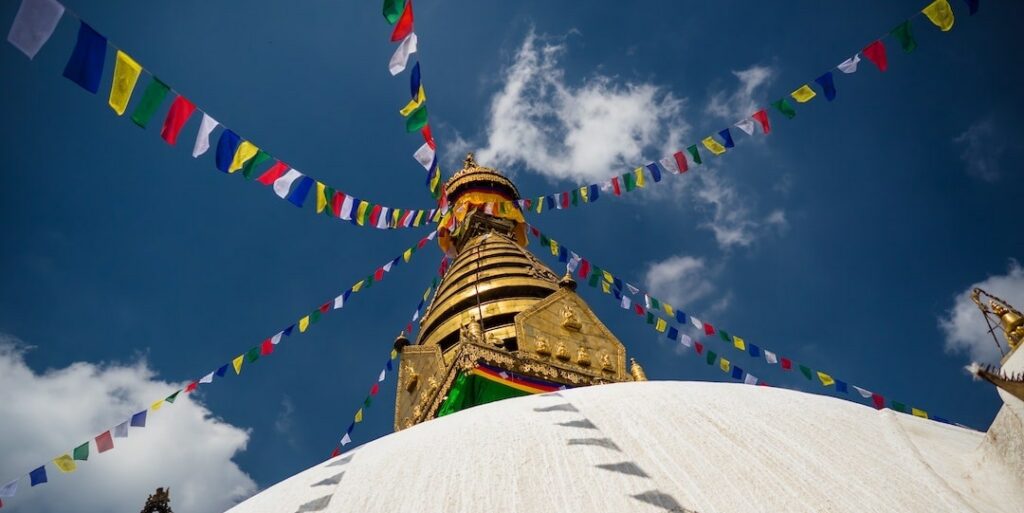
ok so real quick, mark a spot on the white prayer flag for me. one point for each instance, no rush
(284, 184)
(382, 221)
(574, 262)
(276, 339)
(121, 430)
(647, 301)
(381, 377)
(686, 340)
(750, 379)
(432, 235)
(387, 266)
(668, 164)
(203, 137)
(34, 24)
(9, 489)
(770, 357)
(696, 323)
(401, 56)
(339, 301)
(849, 65)
(345, 440)
(863, 393)
(207, 378)
(415, 315)
(625, 302)
(632, 289)
(346, 208)
(425, 156)
(747, 125)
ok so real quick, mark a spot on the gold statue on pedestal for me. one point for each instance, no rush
(583, 357)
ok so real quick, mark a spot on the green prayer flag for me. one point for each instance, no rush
(172, 397)
(695, 153)
(416, 120)
(595, 276)
(314, 316)
(575, 197)
(722, 334)
(250, 165)
(544, 241)
(654, 303)
(650, 318)
(805, 371)
(904, 36)
(630, 181)
(900, 407)
(81, 452)
(252, 355)
(367, 401)
(785, 108)
(712, 357)
(151, 100)
(368, 282)
(329, 194)
(393, 10)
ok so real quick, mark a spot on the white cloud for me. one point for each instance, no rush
(585, 133)
(982, 147)
(284, 423)
(682, 280)
(731, 220)
(182, 446)
(964, 326)
(740, 103)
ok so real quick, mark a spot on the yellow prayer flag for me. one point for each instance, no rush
(361, 213)
(357, 286)
(126, 74)
(395, 215)
(554, 247)
(724, 364)
(407, 255)
(608, 276)
(739, 343)
(237, 363)
(826, 380)
(583, 194)
(359, 416)
(418, 218)
(605, 288)
(660, 325)
(414, 103)
(321, 197)
(303, 324)
(940, 13)
(919, 413)
(245, 151)
(639, 176)
(65, 463)
(394, 354)
(713, 146)
(156, 406)
(804, 94)
(668, 309)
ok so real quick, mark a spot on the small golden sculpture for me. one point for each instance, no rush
(1009, 318)
(472, 331)
(561, 353)
(606, 363)
(411, 377)
(542, 346)
(571, 319)
(159, 502)
(583, 357)
(432, 386)
(637, 371)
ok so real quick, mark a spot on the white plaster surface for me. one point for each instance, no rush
(656, 447)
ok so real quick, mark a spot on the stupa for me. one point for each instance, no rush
(591, 434)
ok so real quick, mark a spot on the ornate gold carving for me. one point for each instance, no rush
(411, 377)
(541, 346)
(606, 363)
(571, 319)
(583, 357)
(561, 352)
(637, 371)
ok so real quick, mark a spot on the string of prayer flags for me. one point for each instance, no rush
(33, 26)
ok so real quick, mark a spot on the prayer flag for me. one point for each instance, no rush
(227, 146)
(250, 166)
(415, 103)
(805, 371)
(628, 181)
(179, 113)
(81, 452)
(345, 440)
(266, 348)
(863, 393)
(152, 98)
(237, 363)
(655, 172)
(827, 85)
(615, 187)
(673, 333)
(139, 419)
(737, 373)
(283, 184)
(804, 94)
(747, 125)
(825, 379)
(245, 151)
(697, 346)
(711, 357)
(919, 413)
(785, 108)
(639, 176)
(359, 416)
(709, 329)
(770, 357)
(400, 58)
(903, 34)
(252, 355)
(694, 153)
(38, 476)
(696, 323)
(382, 375)
(660, 325)
(761, 117)
(404, 25)
(417, 119)
(209, 377)
(713, 146)
(298, 195)
(972, 6)
(65, 464)
(203, 137)
(754, 351)
(156, 405)
(786, 363)
(724, 335)
(584, 268)
(685, 340)
(172, 397)
(680, 161)
(941, 14)
(724, 364)
(425, 156)
(392, 10)
(126, 74)
(875, 52)
(34, 24)
(841, 387)
(727, 137)
(303, 324)
(9, 489)
(849, 65)
(738, 343)
(85, 67)
(898, 406)
(750, 379)
(878, 401)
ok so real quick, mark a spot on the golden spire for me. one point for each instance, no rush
(636, 370)
(1009, 319)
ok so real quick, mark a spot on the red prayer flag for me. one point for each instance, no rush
(615, 186)
(421, 243)
(639, 309)
(326, 307)
(191, 387)
(878, 400)
(273, 173)
(875, 52)
(336, 202)
(336, 452)
(786, 363)
(408, 328)
(527, 203)
(104, 442)
(374, 389)
(680, 161)
(375, 215)
(709, 329)
(180, 111)
(378, 275)
(404, 25)
(267, 347)
(428, 137)
(565, 200)
(761, 116)
(699, 347)
(584, 268)
(535, 231)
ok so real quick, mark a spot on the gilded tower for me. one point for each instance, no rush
(501, 323)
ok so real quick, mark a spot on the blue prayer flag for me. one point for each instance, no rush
(617, 282)
(827, 85)
(673, 333)
(550, 200)
(737, 373)
(350, 427)
(724, 134)
(38, 476)
(222, 370)
(298, 195)
(85, 67)
(841, 386)
(753, 350)
(655, 172)
(353, 216)
(139, 419)
(414, 80)
(617, 294)
(939, 419)
(226, 147)
(595, 192)
(680, 317)
(972, 7)
(563, 254)
(288, 331)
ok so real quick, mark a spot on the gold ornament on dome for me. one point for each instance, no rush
(411, 377)
(561, 353)
(541, 347)
(583, 357)
(606, 363)
(637, 371)
(571, 319)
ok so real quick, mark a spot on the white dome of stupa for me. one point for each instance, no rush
(656, 447)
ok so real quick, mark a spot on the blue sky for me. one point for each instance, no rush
(842, 240)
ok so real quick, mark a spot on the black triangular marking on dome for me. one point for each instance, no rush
(333, 480)
(626, 467)
(315, 504)
(607, 443)
(582, 423)
(557, 407)
(342, 461)
(662, 500)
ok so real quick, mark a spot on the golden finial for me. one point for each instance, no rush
(636, 370)
(1010, 319)
(470, 162)
(567, 282)
(401, 341)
